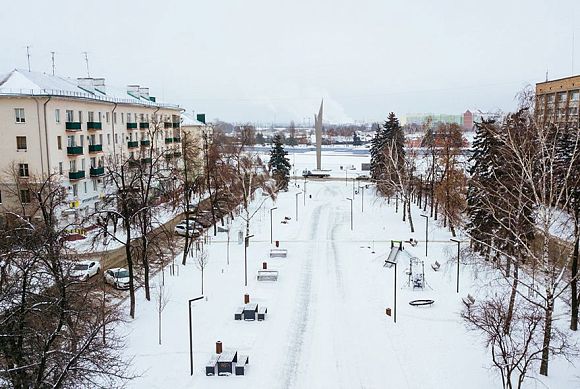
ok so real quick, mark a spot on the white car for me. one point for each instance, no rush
(118, 277)
(85, 269)
(182, 229)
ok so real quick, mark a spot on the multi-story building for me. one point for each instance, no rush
(558, 101)
(52, 125)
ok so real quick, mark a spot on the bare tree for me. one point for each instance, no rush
(161, 300)
(201, 261)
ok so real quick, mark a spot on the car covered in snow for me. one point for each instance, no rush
(118, 277)
(85, 269)
(185, 229)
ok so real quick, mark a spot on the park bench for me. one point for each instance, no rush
(469, 300)
(210, 366)
(278, 253)
(226, 361)
(267, 275)
(243, 360)
(239, 314)
(435, 266)
(250, 311)
(262, 313)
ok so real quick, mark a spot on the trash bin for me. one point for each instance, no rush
(388, 311)
(277, 243)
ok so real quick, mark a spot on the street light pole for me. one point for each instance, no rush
(458, 250)
(271, 209)
(426, 233)
(297, 194)
(305, 182)
(362, 199)
(394, 291)
(191, 336)
(349, 199)
(246, 244)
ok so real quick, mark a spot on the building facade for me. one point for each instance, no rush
(558, 101)
(74, 129)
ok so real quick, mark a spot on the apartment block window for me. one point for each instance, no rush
(114, 117)
(100, 116)
(57, 115)
(23, 169)
(73, 165)
(60, 168)
(24, 196)
(83, 164)
(94, 185)
(82, 138)
(107, 117)
(59, 142)
(122, 118)
(75, 189)
(575, 95)
(561, 97)
(70, 116)
(100, 139)
(116, 139)
(108, 139)
(91, 116)
(19, 112)
(70, 141)
(81, 116)
(85, 186)
(21, 143)
(128, 117)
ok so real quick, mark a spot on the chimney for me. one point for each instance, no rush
(86, 84)
(144, 92)
(133, 90)
(99, 84)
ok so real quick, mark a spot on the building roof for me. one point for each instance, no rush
(21, 82)
(189, 119)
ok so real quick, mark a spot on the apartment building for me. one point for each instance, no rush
(75, 128)
(558, 101)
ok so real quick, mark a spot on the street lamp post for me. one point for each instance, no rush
(458, 250)
(394, 291)
(346, 176)
(426, 233)
(305, 182)
(297, 194)
(349, 199)
(362, 199)
(191, 336)
(246, 244)
(271, 228)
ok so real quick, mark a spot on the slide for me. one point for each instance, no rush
(392, 255)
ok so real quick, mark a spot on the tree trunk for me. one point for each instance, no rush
(547, 333)
(574, 281)
(145, 267)
(130, 269)
(510, 311)
(202, 279)
(405, 209)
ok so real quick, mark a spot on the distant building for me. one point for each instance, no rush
(558, 101)
(422, 118)
(467, 120)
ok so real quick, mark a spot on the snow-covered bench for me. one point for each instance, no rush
(262, 313)
(278, 253)
(469, 300)
(267, 275)
(210, 366)
(239, 313)
(243, 360)
(435, 266)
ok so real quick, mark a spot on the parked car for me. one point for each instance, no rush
(182, 229)
(118, 277)
(85, 269)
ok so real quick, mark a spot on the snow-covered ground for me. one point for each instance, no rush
(326, 325)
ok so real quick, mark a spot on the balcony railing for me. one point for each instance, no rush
(73, 126)
(97, 171)
(145, 143)
(168, 140)
(177, 139)
(131, 126)
(76, 175)
(95, 148)
(132, 144)
(144, 125)
(94, 126)
(74, 150)
(175, 125)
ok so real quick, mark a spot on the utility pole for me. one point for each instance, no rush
(52, 58)
(28, 56)
(87, 62)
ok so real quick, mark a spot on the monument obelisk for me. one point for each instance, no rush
(318, 129)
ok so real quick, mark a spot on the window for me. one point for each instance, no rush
(21, 143)
(81, 116)
(114, 117)
(116, 139)
(24, 196)
(561, 97)
(57, 115)
(75, 190)
(73, 165)
(91, 116)
(95, 185)
(575, 95)
(128, 117)
(70, 116)
(93, 162)
(70, 141)
(23, 169)
(83, 164)
(108, 139)
(107, 117)
(60, 168)
(19, 112)
(82, 138)
(100, 139)
(100, 116)
(59, 142)
(85, 186)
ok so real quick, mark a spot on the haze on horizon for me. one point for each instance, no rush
(272, 61)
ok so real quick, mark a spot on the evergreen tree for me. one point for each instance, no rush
(279, 164)
(388, 154)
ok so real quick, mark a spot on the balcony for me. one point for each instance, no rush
(131, 126)
(177, 139)
(143, 125)
(76, 175)
(145, 143)
(145, 160)
(74, 150)
(168, 140)
(73, 126)
(94, 126)
(95, 148)
(168, 125)
(175, 125)
(177, 154)
(97, 171)
(133, 144)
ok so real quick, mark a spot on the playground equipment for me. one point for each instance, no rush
(421, 302)
(416, 273)
(396, 247)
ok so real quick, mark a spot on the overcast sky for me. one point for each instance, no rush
(273, 60)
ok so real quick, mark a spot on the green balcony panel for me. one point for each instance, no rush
(168, 140)
(76, 175)
(73, 126)
(94, 126)
(175, 125)
(131, 126)
(132, 144)
(145, 142)
(97, 171)
(177, 139)
(145, 160)
(143, 125)
(95, 148)
(74, 150)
